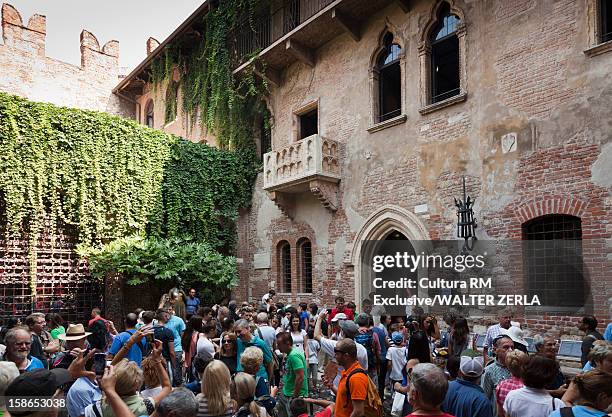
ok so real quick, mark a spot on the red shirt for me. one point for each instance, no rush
(325, 413)
(349, 314)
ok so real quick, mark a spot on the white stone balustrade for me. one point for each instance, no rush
(295, 164)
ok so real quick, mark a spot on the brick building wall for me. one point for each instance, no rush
(526, 73)
(28, 72)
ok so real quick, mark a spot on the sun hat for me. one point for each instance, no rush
(74, 332)
(339, 316)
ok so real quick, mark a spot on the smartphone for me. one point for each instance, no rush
(99, 363)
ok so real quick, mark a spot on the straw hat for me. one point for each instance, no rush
(74, 332)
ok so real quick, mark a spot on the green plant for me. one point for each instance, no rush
(110, 177)
(179, 259)
(226, 105)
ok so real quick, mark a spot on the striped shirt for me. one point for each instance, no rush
(203, 410)
(493, 375)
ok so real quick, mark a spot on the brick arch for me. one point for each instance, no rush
(550, 205)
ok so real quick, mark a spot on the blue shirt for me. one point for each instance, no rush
(82, 393)
(381, 338)
(608, 333)
(466, 399)
(267, 354)
(304, 317)
(192, 304)
(35, 363)
(177, 325)
(580, 411)
(135, 352)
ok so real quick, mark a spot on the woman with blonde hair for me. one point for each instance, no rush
(243, 394)
(589, 394)
(129, 381)
(151, 378)
(215, 398)
(514, 362)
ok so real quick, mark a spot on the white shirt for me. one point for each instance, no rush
(150, 392)
(268, 334)
(328, 346)
(530, 402)
(397, 356)
(205, 345)
(298, 340)
(264, 299)
(313, 349)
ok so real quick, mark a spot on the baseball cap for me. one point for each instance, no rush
(397, 338)
(349, 328)
(38, 383)
(339, 316)
(472, 367)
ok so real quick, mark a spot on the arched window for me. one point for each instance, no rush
(284, 266)
(305, 265)
(149, 114)
(389, 80)
(445, 79)
(606, 20)
(171, 101)
(553, 260)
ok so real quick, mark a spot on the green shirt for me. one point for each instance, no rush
(57, 331)
(295, 360)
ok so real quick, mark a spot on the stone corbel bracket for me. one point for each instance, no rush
(326, 193)
(284, 201)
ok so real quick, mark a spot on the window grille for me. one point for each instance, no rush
(285, 264)
(553, 260)
(306, 266)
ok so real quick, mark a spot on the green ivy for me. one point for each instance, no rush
(178, 259)
(226, 105)
(110, 178)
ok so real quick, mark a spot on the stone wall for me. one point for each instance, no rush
(28, 72)
(526, 74)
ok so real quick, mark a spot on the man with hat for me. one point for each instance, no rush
(76, 342)
(465, 397)
(36, 384)
(334, 329)
(348, 329)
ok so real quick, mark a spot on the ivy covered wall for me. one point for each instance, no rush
(110, 178)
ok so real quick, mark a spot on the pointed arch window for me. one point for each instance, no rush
(284, 267)
(305, 265)
(445, 81)
(389, 80)
(149, 114)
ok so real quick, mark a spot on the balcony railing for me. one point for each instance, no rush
(296, 164)
(275, 20)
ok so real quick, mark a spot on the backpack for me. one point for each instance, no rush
(367, 341)
(373, 405)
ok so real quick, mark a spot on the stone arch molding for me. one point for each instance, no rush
(383, 221)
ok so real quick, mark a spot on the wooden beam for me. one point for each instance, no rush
(300, 52)
(347, 24)
(404, 4)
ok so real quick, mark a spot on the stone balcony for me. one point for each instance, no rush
(308, 165)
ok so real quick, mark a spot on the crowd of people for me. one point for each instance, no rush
(188, 359)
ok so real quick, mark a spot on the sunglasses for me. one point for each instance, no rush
(228, 341)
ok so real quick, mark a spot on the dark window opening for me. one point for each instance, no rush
(285, 267)
(390, 80)
(606, 20)
(553, 260)
(149, 114)
(306, 266)
(445, 57)
(309, 123)
(266, 139)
